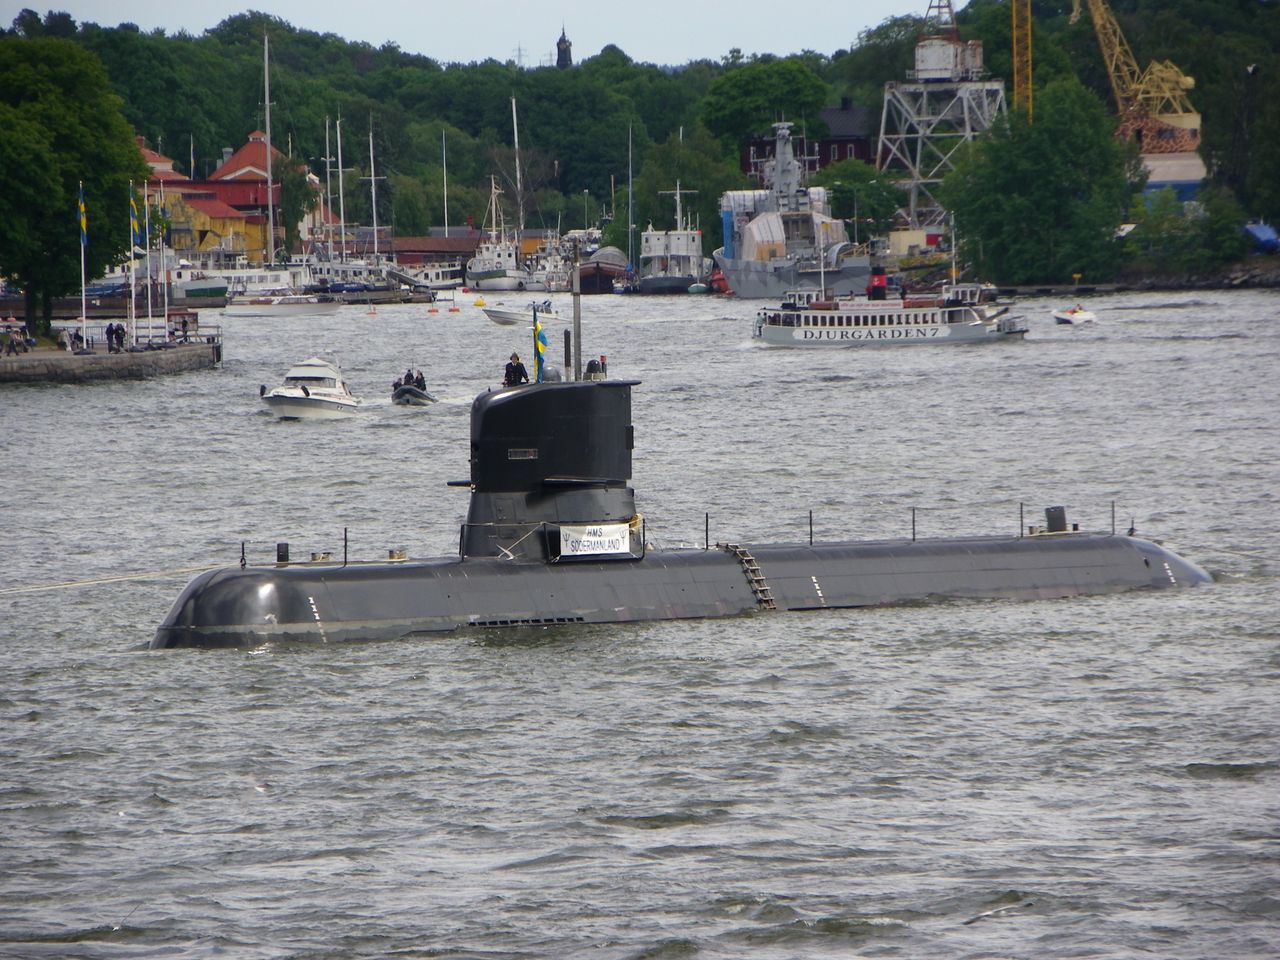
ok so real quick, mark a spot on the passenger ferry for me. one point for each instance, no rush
(959, 313)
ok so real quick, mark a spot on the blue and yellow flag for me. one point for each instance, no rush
(84, 220)
(135, 228)
(539, 345)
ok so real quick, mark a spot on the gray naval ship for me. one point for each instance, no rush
(782, 238)
(552, 536)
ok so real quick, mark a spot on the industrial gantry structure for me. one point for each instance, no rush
(945, 103)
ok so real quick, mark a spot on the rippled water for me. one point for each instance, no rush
(1082, 778)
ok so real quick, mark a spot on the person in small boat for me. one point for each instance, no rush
(515, 374)
(420, 381)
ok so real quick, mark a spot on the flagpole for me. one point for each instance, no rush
(84, 296)
(146, 204)
(133, 260)
(164, 260)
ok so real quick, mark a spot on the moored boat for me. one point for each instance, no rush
(959, 313)
(496, 264)
(280, 303)
(599, 272)
(783, 238)
(312, 390)
(671, 261)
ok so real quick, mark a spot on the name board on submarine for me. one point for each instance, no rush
(593, 540)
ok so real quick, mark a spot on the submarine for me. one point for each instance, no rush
(552, 536)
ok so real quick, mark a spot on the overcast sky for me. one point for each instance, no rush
(662, 31)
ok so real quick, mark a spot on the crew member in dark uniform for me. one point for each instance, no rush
(516, 374)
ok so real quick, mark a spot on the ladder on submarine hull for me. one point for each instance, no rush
(755, 576)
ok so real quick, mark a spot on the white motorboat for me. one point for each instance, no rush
(1076, 314)
(280, 303)
(312, 390)
(504, 317)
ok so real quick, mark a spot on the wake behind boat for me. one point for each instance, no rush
(312, 390)
(280, 303)
(505, 317)
(958, 314)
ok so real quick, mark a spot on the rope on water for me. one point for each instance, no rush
(12, 591)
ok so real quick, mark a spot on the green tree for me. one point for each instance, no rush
(704, 171)
(885, 52)
(297, 199)
(63, 128)
(1172, 239)
(747, 100)
(1041, 202)
(1163, 240)
(867, 198)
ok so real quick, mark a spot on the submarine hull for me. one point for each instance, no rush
(322, 602)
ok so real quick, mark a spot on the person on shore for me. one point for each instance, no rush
(110, 334)
(11, 350)
(515, 373)
(119, 338)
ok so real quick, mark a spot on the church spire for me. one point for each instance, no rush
(564, 54)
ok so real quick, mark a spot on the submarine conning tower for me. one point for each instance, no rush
(550, 468)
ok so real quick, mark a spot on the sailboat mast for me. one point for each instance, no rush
(444, 165)
(342, 198)
(271, 214)
(515, 133)
(631, 205)
(328, 194)
(373, 191)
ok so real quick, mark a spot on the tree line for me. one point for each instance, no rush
(585, 130)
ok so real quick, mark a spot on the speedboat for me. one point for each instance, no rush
(1076, 314)
(511, 318)
(280, 303)
(312, 390)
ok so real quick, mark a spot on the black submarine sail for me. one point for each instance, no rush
(552, 536)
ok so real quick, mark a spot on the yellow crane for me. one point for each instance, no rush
(1022, 97)
(1153, 105)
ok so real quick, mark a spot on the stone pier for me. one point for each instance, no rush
(49, 365)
